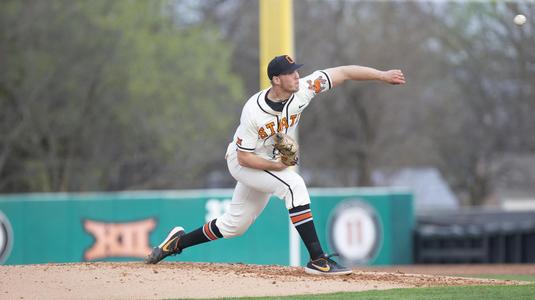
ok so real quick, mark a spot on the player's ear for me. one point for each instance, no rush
(275, 80)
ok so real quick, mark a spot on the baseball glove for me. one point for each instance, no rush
(287, 148)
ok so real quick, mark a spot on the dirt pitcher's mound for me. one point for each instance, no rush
(196, 280)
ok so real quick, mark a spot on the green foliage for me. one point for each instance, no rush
(100, 95)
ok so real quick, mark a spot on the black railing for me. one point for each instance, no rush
(475, 237)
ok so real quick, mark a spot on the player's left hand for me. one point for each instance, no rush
(394, 77)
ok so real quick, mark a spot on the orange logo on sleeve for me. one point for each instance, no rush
(318, 85)
(239, 141)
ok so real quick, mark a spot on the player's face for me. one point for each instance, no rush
(290, 82)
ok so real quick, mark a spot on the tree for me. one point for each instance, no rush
(109, 95)
(487, 57)
(364, 126)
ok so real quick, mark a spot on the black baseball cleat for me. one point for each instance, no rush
(326, 266)
(169, 246)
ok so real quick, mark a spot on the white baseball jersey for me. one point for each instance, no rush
(259, 122)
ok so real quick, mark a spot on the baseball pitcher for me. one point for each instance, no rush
(260, 153)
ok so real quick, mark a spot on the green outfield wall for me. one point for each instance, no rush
(366, 226)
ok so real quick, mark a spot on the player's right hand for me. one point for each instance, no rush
(394, 77)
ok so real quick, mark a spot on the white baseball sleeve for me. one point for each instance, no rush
(313, 84)
(246, 135)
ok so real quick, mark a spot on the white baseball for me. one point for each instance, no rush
(520, 19)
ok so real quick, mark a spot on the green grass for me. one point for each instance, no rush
(457, 293)
(503, 277)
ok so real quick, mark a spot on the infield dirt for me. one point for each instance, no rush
(136, 280)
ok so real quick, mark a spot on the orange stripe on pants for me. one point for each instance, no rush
(209, 232)
(298, 218)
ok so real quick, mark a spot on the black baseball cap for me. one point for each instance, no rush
(283, 64)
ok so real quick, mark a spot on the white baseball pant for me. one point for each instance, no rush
(252, 193)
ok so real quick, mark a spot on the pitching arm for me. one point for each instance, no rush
(340, 74)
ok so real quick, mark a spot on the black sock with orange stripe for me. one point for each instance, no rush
(302, 219)
(207, 232)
